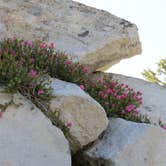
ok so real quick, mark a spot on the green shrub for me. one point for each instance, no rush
(25, 64)
(159, 76)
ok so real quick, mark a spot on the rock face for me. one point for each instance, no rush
(154, 105)
(93, 37)
(27, 137)
(85, 117)
(128, 143)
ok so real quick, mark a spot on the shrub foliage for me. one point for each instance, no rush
(159, 76)
(24, 66)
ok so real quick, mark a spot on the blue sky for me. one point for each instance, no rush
(150, 17)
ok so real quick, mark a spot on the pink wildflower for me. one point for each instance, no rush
(32, 60)
(29, 43)
(52, 46)
(43, 45)
(68, 62)
(6, 50)
(109, 91)
(69, 124)
(82, 87)
(13, 38)
(113, 105)
(137, 110)
(113, 83)
(13, 52)
(100, 80)
(33, 73)
(118, 97)
(105, 86)
(126, 86)
(85, 69)
(100, 93)
(164, 127)
(140, 101)
(123, 96)
(130, 107)
(40, 92)
(104, 96)
(139, 93)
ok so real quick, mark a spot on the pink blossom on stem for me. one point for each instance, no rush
(126, 86)
(100, 80)
(13, 53)
(52, 46)
(130, 107)
(68, 62)
(43, 45)
(6, 50)
(113, 105)
(82, 87)
(104, 96)
(164, 127)
(32, 60)
(33, 73)
(69, 124)
(137, 110)
(113, 83)
(109, 91)
(29, 43)
(121, 85)
(123, 96)
(40, 92)
(140, 101)
(85, 69)
(105, 86)
(139, 93)
(118, 97)
(100, 93)
(13, 38)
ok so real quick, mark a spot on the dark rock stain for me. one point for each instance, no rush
(84, 34)
(126, 23)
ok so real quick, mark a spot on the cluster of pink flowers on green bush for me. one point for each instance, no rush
(24, 63)
(117, 99)
(18, 71)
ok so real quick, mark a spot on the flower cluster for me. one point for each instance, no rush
(117, 99)
(18, 69)
(23, 64)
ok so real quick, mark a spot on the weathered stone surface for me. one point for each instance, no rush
(28, 138)
(154, 105)
(128, 143)
(86, 117)
(90, 36)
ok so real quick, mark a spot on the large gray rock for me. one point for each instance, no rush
(27, 137)
(154, 105)
(85, 117)
(128, 143)
(90, 36)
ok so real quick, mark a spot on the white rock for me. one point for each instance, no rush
(128, 143)
(90, 36)
(154, 105)
(28, 138)
(74, 106)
